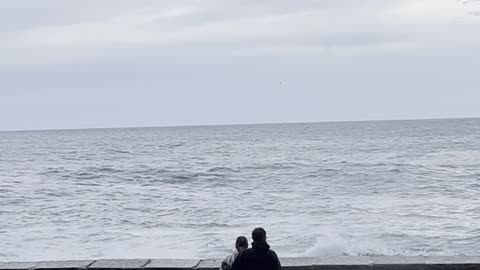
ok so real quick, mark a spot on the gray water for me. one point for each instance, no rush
(352, 188)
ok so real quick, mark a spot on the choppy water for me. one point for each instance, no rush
(401, 187)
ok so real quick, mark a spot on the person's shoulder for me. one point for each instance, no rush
(247, 251)
(272, 251)
(273, 254)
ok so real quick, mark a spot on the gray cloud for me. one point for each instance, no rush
(67, 64)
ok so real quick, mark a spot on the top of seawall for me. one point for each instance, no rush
(321, 263)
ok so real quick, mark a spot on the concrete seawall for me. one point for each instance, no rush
(322, 263)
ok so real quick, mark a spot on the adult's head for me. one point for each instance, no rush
(241, 243)
(259, 235)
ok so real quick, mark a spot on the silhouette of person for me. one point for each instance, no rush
(240, 245)
(259, 256)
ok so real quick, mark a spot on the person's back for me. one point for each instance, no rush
(260, 256)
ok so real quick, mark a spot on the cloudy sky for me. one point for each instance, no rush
(116, 63)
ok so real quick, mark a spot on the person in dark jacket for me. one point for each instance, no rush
(260, 256)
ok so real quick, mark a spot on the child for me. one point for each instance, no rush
(240, 245)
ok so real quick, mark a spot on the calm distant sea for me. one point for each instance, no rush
(350, 188)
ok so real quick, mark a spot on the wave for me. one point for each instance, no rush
(117, 151)
(223, 169)
(336, 245)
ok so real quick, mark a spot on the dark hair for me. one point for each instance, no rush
(242, 242)
(259, 235)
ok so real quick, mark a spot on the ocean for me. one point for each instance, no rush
(340, 188)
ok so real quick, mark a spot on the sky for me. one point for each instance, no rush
(118, 63)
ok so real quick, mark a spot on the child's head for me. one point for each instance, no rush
(241, 243)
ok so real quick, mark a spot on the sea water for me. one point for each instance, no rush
(346, 188)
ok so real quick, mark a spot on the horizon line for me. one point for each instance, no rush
(243, 124)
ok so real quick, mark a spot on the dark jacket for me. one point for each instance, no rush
(259, 257)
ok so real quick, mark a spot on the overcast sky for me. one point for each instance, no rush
(117, 63)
